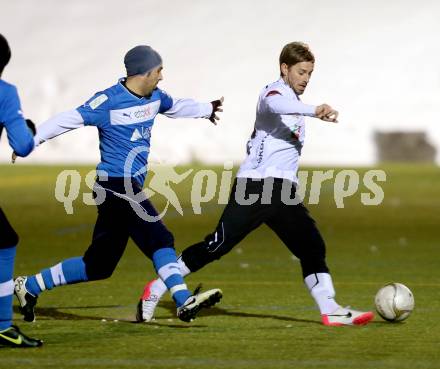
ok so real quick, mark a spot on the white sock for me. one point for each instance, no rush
(159, 288)
(321, 288)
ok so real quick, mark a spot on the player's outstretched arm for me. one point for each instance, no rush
(276, 103)
(189, 108)
(58, 125)
(55, 126)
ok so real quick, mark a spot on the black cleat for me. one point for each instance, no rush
(14, 338)
(25, 298)
(188, 311)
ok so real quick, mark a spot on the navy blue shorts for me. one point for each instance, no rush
(122, 215)
(8, 237)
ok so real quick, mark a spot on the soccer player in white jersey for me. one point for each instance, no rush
(124, 115)
(263, 191)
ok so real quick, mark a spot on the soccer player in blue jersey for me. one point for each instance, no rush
(124, 115)
(21, 140)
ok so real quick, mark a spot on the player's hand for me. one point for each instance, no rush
(216, 107)
(326, 113)
(331, 117)
(14, 157)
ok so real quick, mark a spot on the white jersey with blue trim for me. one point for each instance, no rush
(124, 121)
(278, 137)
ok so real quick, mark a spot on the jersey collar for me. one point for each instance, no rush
(287, 87)
(131, 93)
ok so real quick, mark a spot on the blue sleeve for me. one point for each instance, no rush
(95, 111)
(19, 135)
(166, 101)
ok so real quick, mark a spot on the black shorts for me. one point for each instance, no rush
(292, 224)
(8, 236)
(121, 216)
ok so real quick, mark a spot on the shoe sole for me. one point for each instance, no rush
(363, 319)
(139, 317)
(28, 316)
(189, 315)
(212, 300)
(360, 320)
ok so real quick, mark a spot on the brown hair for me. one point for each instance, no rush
(296, 52)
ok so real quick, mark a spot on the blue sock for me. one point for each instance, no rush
(165, 263)
(7, 257)
(69, 271)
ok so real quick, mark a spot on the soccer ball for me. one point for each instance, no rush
(394, 302)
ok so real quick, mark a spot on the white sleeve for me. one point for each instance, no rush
(57, 125)
(189, 108)
(279, 104)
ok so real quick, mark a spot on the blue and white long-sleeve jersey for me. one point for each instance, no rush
(11, 118)
(275, 145)
(124, 122)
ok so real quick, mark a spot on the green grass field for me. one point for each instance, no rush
(266, 318)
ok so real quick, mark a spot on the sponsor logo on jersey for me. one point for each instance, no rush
(142, 133)
(259, 151)
(296, 132)
(98, 101)
(134, 114)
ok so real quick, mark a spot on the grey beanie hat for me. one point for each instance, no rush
(141, 59)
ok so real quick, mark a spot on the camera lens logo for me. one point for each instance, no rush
(159, 184)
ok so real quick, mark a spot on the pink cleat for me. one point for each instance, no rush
(347, 316)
